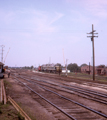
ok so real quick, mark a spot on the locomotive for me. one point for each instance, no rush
(51, 68)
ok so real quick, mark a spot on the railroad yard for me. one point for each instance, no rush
(53, 60)
(45, 96)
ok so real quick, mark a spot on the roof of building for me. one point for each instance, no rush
(1, 63)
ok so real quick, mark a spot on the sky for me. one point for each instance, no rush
(52, 31)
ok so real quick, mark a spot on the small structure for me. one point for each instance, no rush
(87, 69)
(101, 70)
(1, 70)
(64, 70)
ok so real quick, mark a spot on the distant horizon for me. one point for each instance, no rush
(61, 64)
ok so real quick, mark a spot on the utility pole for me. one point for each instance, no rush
(2, 53)
(92, 39)
(89, 68)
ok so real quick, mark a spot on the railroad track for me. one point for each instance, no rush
(96, 85)
(86, 93)
(68, 79)
(70, 108)
(92, 94)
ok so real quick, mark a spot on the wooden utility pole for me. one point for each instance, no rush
(89, 68)
(92, 39)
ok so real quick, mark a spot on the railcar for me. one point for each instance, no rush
(52, 68)
(39, 68)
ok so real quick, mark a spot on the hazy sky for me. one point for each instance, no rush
(38, 31)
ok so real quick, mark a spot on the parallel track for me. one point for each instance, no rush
(70, 116)
(93, 95)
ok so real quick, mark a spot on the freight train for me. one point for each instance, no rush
(51, 68)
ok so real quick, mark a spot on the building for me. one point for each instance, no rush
(99, 70)
(87, 69)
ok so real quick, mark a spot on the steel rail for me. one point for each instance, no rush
(74, 86)
(82, 89)
(79, 91)
(91, 91)
(102, 101)
(97, 99)
(18, 108)
(97, 112)
(48, 101)
(86, 91)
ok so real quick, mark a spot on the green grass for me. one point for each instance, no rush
(87, 76)
(6, 83)
(27, 111)
(1, 108)
(20, 117)
(7, 112)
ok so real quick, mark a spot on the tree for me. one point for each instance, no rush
(26, 67)
(32, 67)
(73, 67)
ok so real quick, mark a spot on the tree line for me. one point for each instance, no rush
(74, 67)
